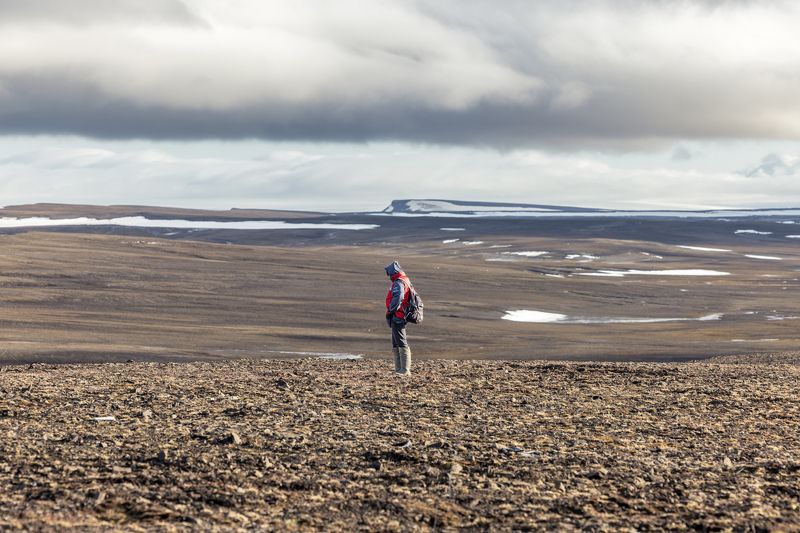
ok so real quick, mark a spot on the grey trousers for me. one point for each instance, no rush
(399, 339)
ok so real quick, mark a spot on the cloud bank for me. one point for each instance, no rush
(344, 177)
(566, 73)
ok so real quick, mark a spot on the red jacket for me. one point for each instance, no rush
(397, 297)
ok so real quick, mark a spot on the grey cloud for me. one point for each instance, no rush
(681, 153)
(568, 74)
(775, 165)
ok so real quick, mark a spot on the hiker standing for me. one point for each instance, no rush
(396, 304)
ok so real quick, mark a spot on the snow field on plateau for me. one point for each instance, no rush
(442, 206)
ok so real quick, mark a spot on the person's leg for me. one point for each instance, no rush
(396, 348)
(402, 341)
(405, 360)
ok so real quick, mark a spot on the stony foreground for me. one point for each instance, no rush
(342, 445)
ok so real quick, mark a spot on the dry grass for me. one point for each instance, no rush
(84, 297)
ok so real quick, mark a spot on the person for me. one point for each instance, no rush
(396, 303)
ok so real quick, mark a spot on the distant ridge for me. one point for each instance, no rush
(55, 210)
(462, 208)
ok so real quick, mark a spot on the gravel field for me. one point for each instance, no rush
(346, 445)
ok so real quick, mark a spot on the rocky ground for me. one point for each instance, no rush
(345, 445)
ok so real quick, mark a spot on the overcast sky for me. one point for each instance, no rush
(347, 104)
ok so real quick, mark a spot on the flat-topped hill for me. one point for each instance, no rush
(58, 211)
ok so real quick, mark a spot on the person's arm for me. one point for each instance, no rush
(397, 297)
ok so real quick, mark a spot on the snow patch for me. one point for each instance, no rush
(142, 222)
(688, 272)
(450, 241)
(704, 249)
(452, 229)
(326, 355)
(623, 273)
(472, 243)
(524, 315)
(752, 231)
(541, 317)
(341, 356)
(770, 257)
(526, 254)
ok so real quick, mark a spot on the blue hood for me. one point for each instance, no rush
(393, 268)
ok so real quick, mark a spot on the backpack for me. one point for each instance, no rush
(415, 306)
